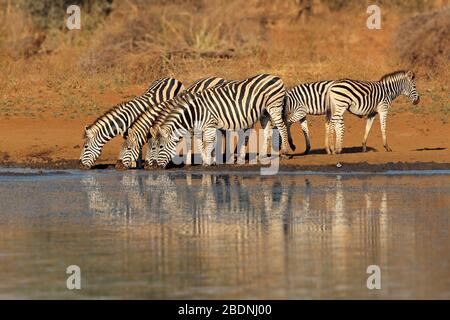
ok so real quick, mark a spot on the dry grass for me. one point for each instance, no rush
(424, 40)
(78, 74)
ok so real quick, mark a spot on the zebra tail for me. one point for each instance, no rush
(328, 105)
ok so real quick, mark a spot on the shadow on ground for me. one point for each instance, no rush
(344, 150)
(431, 149)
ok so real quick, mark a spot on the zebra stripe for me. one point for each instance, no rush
(118, 119)
(368, 99)
(139, 133)
(235, 106)
(301, 100)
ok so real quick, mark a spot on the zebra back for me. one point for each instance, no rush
(306, 98)
(237, 105)
(363, 97)
(205, 83)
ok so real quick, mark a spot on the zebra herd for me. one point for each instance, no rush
(164, 113)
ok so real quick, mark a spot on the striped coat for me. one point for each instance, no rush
(235, 106)
(118, 119)
(140, 132)
(366, 99)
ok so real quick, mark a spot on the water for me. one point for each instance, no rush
(199, 236)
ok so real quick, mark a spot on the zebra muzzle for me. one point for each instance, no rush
(416, 101)
(84, 167)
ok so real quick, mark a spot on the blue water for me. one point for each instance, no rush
(179, 234)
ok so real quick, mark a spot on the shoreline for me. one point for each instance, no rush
(346, 167)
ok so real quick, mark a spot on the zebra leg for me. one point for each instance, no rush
(188, 149)
(291, 142)
(369, 123)
(304, 125)
(383, 117)
(222, 147)
(209, 142)
(337, 121)
(199, 142)
(267, 126)
(277, 119)
(243, 146)
(328, 130)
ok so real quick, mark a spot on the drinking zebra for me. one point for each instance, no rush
(364, 98)
(118, 119)
(139, 133)
(302, 100)
(235, 106)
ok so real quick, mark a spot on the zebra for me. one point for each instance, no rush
(368, 99)
(118, 119)
(235, 106)
(139, 133)
(301, 100)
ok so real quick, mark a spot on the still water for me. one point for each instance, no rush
(198, 236)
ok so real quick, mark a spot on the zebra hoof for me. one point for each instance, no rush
(388, 149)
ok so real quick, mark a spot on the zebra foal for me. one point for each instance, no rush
(366, 99)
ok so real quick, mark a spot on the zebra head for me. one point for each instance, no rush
(131, 149)
(91, 148)
(409, 88)
(167, 147)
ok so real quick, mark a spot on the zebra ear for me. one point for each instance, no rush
(411, 75)
(188, 98)
(154, 131)
(88, 132)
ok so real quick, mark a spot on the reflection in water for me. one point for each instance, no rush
(196, 235)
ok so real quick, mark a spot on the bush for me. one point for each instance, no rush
(424, 40)
(47, 14)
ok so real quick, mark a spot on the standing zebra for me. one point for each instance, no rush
(139, 133)
(363, 98)
(304, 99)
(235, 106)
(118, 119)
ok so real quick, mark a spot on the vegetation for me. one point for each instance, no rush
(48, 70)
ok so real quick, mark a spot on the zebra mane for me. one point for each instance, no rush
(109, 111)
(393, 75)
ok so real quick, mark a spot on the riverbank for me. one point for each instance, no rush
(419, 142)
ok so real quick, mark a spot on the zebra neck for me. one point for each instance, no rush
(101, 139)
(392, 88)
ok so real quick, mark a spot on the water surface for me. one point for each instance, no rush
(201, 235)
